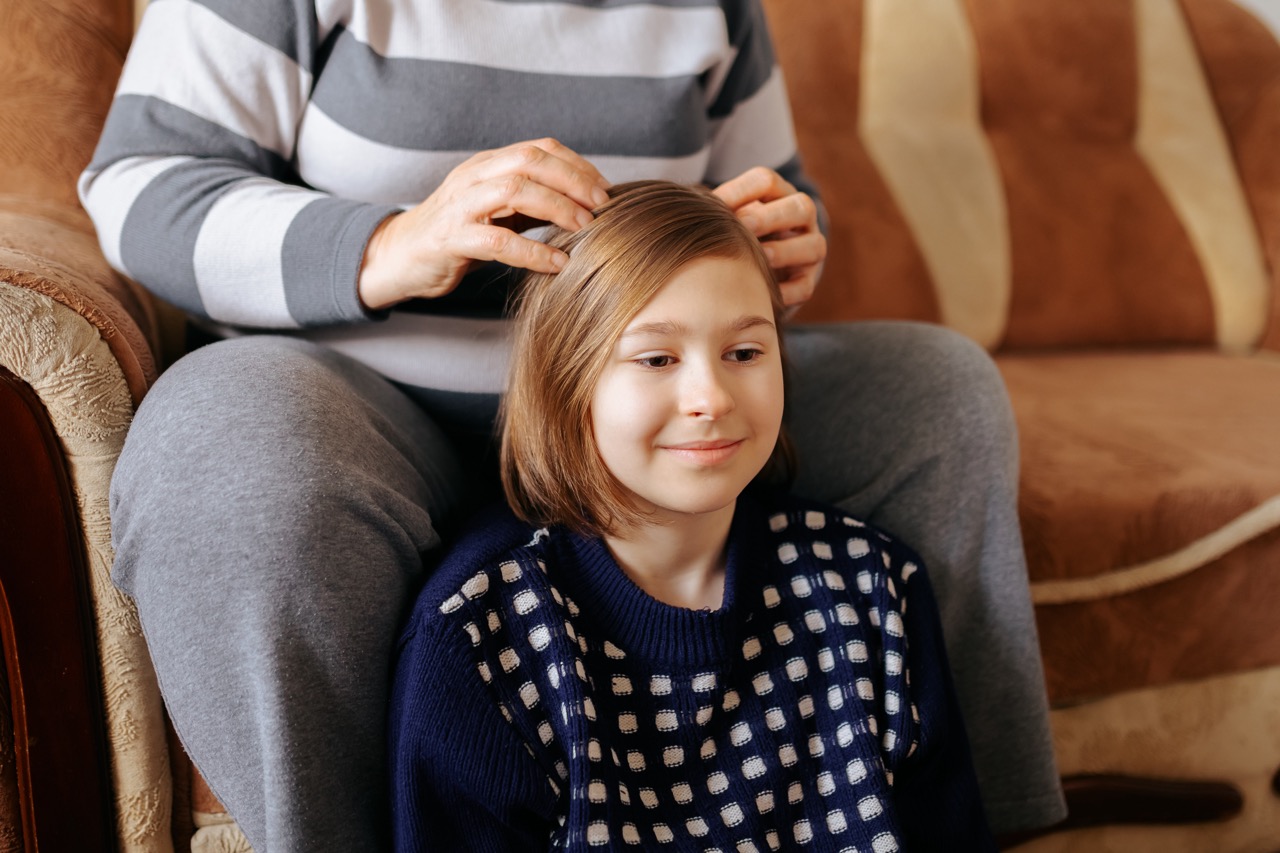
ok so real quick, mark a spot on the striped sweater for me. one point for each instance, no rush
(542, 700)
(254, 145)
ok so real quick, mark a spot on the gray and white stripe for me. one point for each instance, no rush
(253, 147)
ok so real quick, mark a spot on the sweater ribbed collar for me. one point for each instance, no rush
(651, 630)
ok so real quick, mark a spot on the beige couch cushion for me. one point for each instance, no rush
(1242, 65)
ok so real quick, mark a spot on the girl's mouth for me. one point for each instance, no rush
(705, 452)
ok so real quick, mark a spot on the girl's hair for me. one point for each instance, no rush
(566, 327)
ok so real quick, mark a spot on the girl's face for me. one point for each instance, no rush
(688, 407)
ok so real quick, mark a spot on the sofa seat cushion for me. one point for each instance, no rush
(1150, 503)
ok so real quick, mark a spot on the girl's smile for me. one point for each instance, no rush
(687, 410)
(706, 452)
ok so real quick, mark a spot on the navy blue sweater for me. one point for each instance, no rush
(544, 701)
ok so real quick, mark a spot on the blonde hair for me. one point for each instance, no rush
(566, 327)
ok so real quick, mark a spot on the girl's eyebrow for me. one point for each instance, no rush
(672, 327)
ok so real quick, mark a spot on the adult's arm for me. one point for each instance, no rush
(193, 195)
(755, 165)
(750, 113)
(191, 188)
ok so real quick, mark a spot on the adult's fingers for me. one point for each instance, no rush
(494, 243)
(794, 212)
(510, 195)
(802, 250)
(797, 291)
(558, 149)
(547, 162)
(551, 146)
(758, 184)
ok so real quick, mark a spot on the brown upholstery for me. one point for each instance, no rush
(871, 248)
(1090, 189)
(1060, 109)
(77, 349)
(53, 251)
(1041, 175)
(60, 64)
(60, 60)
(1133, 463)
(1114, 238)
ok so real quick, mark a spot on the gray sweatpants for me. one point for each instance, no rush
(274, 502)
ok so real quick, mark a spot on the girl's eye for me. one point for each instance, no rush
(744, 355)
(655, 361)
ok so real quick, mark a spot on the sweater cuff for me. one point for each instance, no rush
(321, 259)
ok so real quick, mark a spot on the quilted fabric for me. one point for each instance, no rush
(217, 833)
(75, 373)
(52, 249)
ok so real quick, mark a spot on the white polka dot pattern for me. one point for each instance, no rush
(790, 741)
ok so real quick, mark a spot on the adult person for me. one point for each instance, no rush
(352, 175)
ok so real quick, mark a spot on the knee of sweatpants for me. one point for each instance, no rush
(250, 452)
(958, 385)
(978, 385)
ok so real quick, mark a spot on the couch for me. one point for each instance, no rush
(1088, 189)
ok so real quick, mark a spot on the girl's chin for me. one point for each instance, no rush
(689, 511)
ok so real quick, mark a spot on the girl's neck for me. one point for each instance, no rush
(680, 562)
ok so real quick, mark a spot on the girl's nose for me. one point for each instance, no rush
(705, 393)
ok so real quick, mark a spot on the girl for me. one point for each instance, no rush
(642, 650)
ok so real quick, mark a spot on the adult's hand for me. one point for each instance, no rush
(475, 216)
(786, 221)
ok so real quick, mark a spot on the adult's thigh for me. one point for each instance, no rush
(909, 426)
(270, 510)
(877, 409)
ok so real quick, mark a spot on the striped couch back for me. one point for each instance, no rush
(1044, 174)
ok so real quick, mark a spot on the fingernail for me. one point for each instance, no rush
(599, 196)
(770, 253)
(558, 260)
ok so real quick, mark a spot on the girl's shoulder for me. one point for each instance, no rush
(824, 557)
(493, 551)
(803, 527)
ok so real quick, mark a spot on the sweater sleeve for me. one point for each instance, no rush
(191, 188)
(461, 778)
(750, 113)
(935, 789)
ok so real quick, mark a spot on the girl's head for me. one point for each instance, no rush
(646, 377)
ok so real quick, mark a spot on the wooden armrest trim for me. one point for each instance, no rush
(46, 625)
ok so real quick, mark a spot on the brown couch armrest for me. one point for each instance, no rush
(52, 249)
